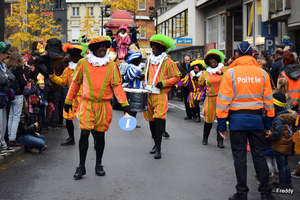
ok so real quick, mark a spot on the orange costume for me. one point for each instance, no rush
(98, 85)
(169, 75)
(65, 79)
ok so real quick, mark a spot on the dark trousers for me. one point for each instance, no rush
(188, 110)
(46, 96)
(62, 96)
(55, 100)
(257, 141)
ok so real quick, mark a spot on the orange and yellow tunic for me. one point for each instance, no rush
(212, 83)
(66, 79)
(98, 85)
(169, 75)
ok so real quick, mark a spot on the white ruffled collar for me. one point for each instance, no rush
(198, 74)
(214, 70)
(72, 65)
(155, 60)
(97, 61)
(123, 35)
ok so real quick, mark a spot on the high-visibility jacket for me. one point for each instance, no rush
(245, 86)
(294, 88)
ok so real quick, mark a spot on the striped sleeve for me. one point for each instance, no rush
(116, 78)
(173, 73)
(62, 79)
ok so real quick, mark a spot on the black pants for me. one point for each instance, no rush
(257, 141)
(188, 110)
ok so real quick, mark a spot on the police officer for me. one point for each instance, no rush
(244, 93)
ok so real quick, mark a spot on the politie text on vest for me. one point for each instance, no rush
(248, 79)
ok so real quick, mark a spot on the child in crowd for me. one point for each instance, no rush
(43, 103)
(281, 135)
(27, 133)
(32, 98)
(45, 58)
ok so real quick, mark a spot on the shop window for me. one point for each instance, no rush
(222, 32)
(238, 26)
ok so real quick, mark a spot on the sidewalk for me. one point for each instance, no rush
(11, 155)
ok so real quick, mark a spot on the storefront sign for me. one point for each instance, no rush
(184, 42)
(210, 46)
(47, 13)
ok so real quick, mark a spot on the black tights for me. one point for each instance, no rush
(70, 128)
(84, 144)
(157, 128)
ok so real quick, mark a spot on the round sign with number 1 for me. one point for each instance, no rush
(127, 123)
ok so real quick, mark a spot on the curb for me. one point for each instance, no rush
(12, 155)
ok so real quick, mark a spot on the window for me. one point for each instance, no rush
(212, 34)
(143, 32)
(75, 33)
(238, 26)
(222, 21)
(91, 10)
(75, 11)
(142, 5)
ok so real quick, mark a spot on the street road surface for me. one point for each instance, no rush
(187, 171)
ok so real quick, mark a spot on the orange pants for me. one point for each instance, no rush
(157, 107)
(93, 115)
(72, 113)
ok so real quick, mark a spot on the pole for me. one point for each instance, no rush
(102, 21)
(155, 22)
(2, 20)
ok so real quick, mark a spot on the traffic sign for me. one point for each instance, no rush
(269, 29)
(270, 44)
(127, 123)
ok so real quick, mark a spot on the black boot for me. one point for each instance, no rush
(220, 139)
(157, 154)
(206, 133)
(198, 118)
(80, 171)
(153, 150)
(68, 141)
(99, 170)
(166, 135)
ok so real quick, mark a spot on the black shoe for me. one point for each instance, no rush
(80, 171)
(267, 197)
(68, 141)
(204, 141)
(220, 144)
(197, 119)
(187, 117)
(153, 150)
(157, 154)
(236, 197)
(166, 134)
(137, 126)
(99, 170)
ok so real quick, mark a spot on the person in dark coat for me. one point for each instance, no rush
(185, 69)
(54, 45)
(264, 55)
(274, 71)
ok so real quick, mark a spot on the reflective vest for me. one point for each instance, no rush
(245, 86)
(294, 88)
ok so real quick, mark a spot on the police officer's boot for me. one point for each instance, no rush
(219, 139)
(206, 132)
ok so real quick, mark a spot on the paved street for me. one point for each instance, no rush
(187, 171)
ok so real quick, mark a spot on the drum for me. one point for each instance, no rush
(137, 99)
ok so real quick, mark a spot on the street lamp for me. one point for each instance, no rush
(153, 14)
(105, 12)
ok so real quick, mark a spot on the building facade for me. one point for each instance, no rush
(200, 25)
